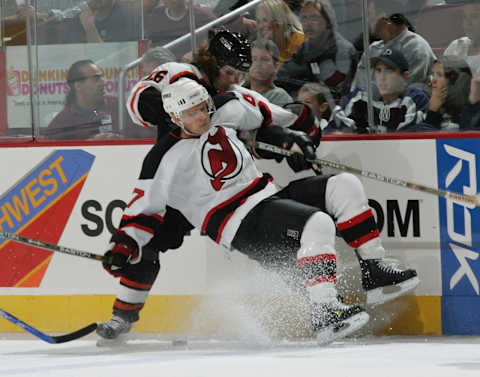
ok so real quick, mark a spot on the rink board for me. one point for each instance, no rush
(77, 200)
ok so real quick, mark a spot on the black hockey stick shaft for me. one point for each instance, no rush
(460, 198)
(45, 337)
(51, 247)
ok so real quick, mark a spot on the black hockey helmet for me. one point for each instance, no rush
(231, 49)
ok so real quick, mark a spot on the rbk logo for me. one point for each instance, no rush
(461, 177)
(38, 206)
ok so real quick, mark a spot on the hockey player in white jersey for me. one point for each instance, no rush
(218, 66)
(204, 173)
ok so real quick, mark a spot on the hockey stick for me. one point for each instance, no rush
(460, 198)
(47, 338)
(51, 247)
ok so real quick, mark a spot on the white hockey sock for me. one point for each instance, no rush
(317, 258)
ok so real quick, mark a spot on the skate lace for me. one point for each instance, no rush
(390, 265)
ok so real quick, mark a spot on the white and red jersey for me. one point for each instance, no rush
(212, 180)
(159, 78)
(250, 112)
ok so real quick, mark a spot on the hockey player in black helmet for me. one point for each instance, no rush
(358, 227)
(219, 65)
(318, 199)
(231, 49)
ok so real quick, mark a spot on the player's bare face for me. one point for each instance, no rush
(226, 78)
(196, 119)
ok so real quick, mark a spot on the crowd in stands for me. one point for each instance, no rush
(309, 51)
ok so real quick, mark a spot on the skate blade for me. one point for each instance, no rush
(382, 295)
(342, 329)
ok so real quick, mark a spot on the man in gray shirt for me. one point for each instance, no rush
(264, 70)
(394, 33)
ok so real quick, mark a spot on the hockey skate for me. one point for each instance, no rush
(112, 332)
(337, 320)
(384, 280)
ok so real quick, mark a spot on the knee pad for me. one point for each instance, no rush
(345, 197)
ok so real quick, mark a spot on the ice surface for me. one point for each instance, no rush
(386, 356)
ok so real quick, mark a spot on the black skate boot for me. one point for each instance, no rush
(111, 331)
(336, 320)
(384, 280)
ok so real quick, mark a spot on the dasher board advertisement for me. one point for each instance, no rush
(74, 196)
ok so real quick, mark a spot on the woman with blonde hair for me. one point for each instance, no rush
(276, 21)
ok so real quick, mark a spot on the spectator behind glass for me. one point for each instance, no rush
(102, 21)
(470, 117)
(468, 47)
(59, 9)
(245, 24)
(88, 112)
(396, 106)
(277, 22)
(263, 71)
(13, 25)
(154, 57)
(45, 9)
(451, 78)
(377, 9)
(169, 20)
(318, 97)
(325, 57)
(394, 33)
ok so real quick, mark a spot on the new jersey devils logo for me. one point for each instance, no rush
(221, 164)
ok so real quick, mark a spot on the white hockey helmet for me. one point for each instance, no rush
(183, 94)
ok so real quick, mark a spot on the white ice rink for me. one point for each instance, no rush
(387, 356)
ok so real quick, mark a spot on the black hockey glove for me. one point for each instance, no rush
(150, 107)
(300, 161)
(288, 139)
(119, 254)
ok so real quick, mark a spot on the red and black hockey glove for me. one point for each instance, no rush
(305, 121)
(286, 138)
(119, 255)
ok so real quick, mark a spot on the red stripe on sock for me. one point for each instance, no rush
(124, 306)
(367, 237)
(321, 279)
(134, 284)
(355, 220)
(316, 259)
